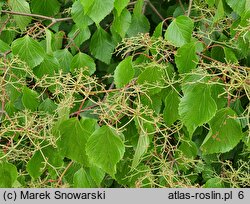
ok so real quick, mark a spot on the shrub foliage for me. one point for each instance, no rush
(119, 93)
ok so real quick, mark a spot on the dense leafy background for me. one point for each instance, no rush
(119, 93)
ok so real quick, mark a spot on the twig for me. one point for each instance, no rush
(64, 172)
(83, 110)
(42, 30)
(214, 60)
(3, 84)
(52, 19)
(71, 41)
(157, 12)
(132, 3)
(189, 7)
(4, 24)
(37, 16)
(80, 108)
(182, 7)
(109, 90)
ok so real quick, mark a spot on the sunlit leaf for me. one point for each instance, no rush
(225, 133)
(179, 32)
(72, 142)
(8, 173)
(45, 7)
(102, 45)
(29, 50)
(105, 149)
(30, 99)
(23, 7)
(124, 72)
(196, 107)
(82, 60)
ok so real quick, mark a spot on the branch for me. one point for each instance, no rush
(59, 182)
(157, 12)
(182, 7)
(71, 40)
(83, 110)
(4, 24)
(52, 19)
(42, 30)
(189, 8)
(36, 16)
(216, 61)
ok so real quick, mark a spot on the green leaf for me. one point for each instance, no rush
(243, 47)
(218, 94)
(48, 41)
(120, 5)
(30, 99)
(13, 92)
(179, 31)
(154, 102)
(88, 178)
(170, 112)
(145, 130)
(4, 46)
(139, 24)
(83, 180)
(188, 149)
(82, 21)
(210, 2)
(99, 9)
(73, 140)
(48, 106)
(158, 30)
(42, 160)
(186, 58)
(230, 56)
(1, 4)
(57, 40)
(78, 36)
(138, 8)
(219, 12)
(225, 133)
(237, 6)
(246, 141)
(87, 4)
(45, 7)
(10, 108)
(49, 66)
(236, 105)
(105, 149)
(18, 104)
(23, 7)
(82, 60)
(102, 45)
(89, 125)
(28, 50)
(217, 53)
(64, 58)
(124, 72)
(185, 152)
(8, 35)
(97, 174)
(141, 148)
(36, 165)
(121, 23)
(214, 183)
(196, 107)
(8, 174)
(152, 78)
